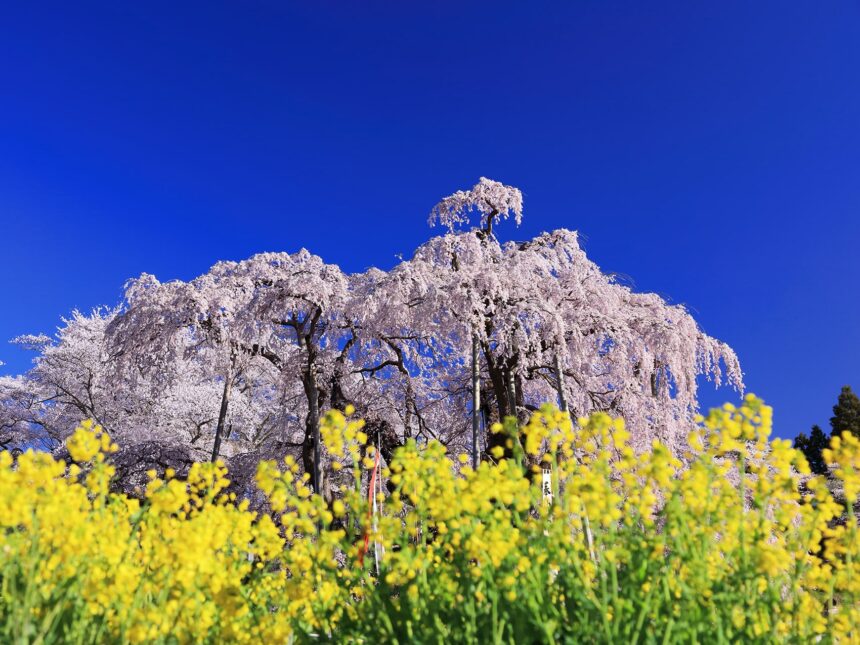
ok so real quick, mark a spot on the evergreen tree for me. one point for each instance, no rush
(846, 413)
(811, 447)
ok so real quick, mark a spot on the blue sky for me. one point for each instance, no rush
(711, 151)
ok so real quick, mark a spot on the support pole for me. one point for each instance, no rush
(476, 400)
(512, 392)
(375, 509)
(559, 375)
(317, 483)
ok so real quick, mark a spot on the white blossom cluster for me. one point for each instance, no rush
(490, 199)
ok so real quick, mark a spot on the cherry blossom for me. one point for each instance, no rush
(241, 361)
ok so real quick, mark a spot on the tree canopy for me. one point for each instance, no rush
(811, 447)
(242, 360)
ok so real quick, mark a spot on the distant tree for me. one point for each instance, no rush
(846, 413)
(811, 447)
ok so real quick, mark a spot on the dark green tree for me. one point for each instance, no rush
(812, 446)
(846, 413)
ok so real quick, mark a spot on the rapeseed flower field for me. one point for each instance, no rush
(731, 541)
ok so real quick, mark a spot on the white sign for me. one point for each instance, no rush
(546, 485)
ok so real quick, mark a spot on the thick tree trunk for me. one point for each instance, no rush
(498, 381)
(311, 444)
(337, 396)
(504, 391)
(305, 334)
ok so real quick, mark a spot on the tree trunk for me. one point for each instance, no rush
(305, 334)
(338, 398)
(654, 378)
(311, 445)
(505, 403)
(499, 384)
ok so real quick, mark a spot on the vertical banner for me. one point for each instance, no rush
(546, 484)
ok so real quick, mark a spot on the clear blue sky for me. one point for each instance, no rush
(711, 151)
